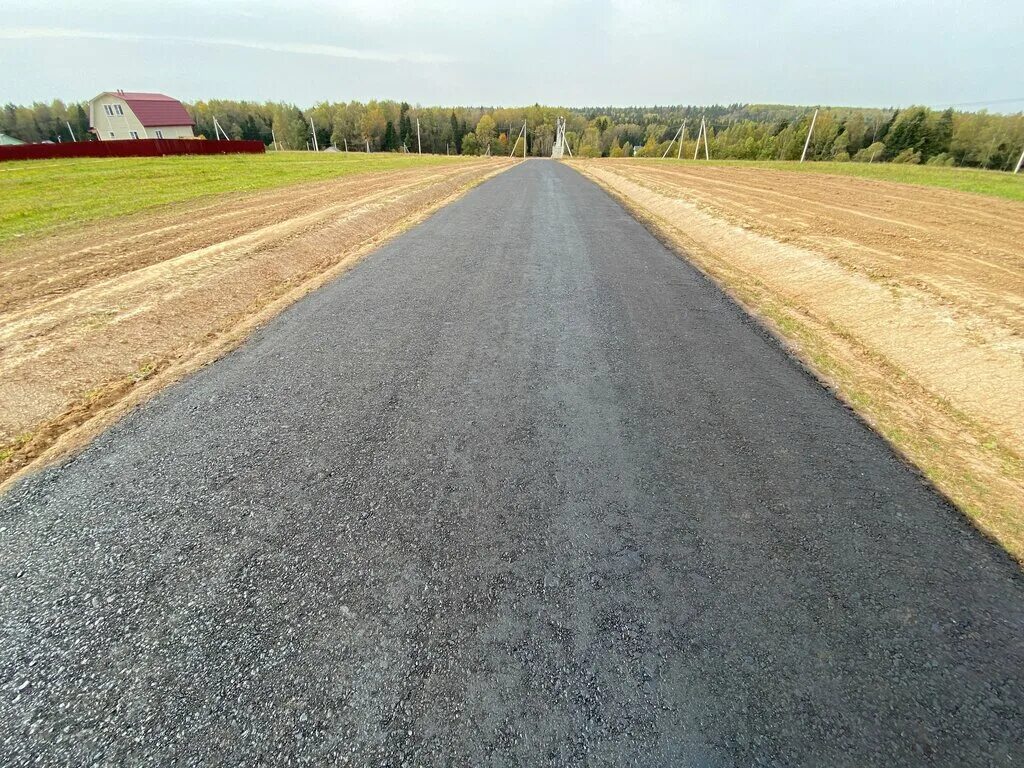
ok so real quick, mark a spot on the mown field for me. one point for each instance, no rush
(43, 196)
(974, 180)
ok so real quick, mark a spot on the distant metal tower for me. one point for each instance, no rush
(560, 144)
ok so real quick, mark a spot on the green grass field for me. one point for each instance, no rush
(42, 196)
(992, 183)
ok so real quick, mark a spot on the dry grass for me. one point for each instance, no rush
(908, 301)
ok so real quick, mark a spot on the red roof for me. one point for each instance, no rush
(155, 109)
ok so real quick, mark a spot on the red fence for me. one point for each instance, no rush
(129, 148)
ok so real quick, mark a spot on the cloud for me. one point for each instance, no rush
(309, 49)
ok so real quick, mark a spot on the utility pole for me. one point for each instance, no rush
(1019, 163)
(522, 133)
(419, 145)
(218, 127)
(516, 144)
(346, 145)
(682, 138)
(677, 135)
(809, 133)
(71, 131)
(316, 147)
(274, 137)
(367, 146)
(701, 132)
(669, 147)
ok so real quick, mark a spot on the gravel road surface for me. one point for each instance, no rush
(521, 488)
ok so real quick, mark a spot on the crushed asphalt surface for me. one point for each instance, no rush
(521, 488)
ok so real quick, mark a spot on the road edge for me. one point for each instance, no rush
(794, 352)
(76, 439)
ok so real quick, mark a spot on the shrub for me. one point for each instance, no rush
(875, 151)
(943, 158)
(909, 156)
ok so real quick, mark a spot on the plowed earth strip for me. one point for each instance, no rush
(94, 321)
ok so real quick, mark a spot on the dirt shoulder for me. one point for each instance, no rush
(96, 321)
(908, 301)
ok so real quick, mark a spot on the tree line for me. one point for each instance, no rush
(737, 131)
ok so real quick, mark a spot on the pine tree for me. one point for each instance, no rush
(404, 125)
(80, 122)
(940, 135)
(456, 133)
(390, 138)
(883, 132)
(907, 133)
(250, 130)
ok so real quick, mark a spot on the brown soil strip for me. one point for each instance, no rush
(95, 322)
(908, 301)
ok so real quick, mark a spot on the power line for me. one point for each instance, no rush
(979, 103)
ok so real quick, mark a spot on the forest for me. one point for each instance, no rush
(738, 131)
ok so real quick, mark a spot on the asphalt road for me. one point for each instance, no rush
(521, 488)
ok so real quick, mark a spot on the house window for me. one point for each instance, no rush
(108, 109)
(117, 108)
(134, 134)
(111, 134)
(159, 133)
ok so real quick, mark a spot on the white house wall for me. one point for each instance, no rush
(171, 132)
(120, 127)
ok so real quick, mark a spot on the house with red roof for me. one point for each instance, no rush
(119, 115)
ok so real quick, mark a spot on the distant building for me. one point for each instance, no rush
(118, 115)
(9, 141)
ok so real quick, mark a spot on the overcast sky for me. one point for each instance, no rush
(558, 52)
